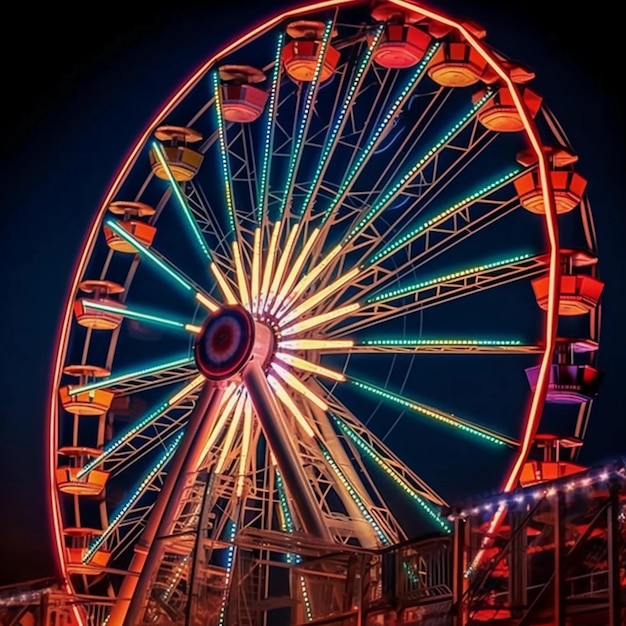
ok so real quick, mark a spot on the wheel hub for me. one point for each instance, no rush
(229, 339)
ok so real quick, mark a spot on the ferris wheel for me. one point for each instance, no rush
(348, 262)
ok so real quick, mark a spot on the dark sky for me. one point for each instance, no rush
(74, 99)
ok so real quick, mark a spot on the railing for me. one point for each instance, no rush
(410, 574)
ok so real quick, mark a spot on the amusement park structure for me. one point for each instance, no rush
(329, 205)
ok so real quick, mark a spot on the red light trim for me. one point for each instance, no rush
(87, 248)
(538, 398)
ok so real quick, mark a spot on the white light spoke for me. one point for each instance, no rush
(295, 271)
(308, 279)
(307, 366)
(318, 320)
(285, 257)
(233, 427)
(268, 270)
(287, 400)
(242, 281)
(227, 292)
(297, 385)
(319, 296)
(229, 399)
(320, 345)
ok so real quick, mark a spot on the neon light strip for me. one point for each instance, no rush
(228, 403)
(269, 129)
(310, 277)
(229, 567)
(207, 302)
(372, 142)
(175, 578)
(372, 454)
(242, 282)
(319, 296)
(315, 344)
(180, 395)
(440, 217)
(304, 120)
(146, 252)
(182, 201)
(307, 366)
(149, 419)
(316, 320)
(134, 315)
(297, 385)
(477, 269)
(269, 266)
(81, 263)
(256, 269)
(287, 400)
(282, 264)
(139, 491)
(430, 154)
(221, 127)
(227, 292)
(355, 496)
(114, 380)
(230, 433)
(345, 107)
(295, 270)
(538, 397)
(451, 343)
(287, 524)
(441, 416)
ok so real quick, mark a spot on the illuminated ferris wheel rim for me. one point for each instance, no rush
(491, 59)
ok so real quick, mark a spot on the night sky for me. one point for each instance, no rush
(74, 99)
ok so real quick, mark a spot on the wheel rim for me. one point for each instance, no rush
(305, 379)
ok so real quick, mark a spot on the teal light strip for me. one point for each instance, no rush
(229, 568)
(113, 380)
(439, 342)
(440, 416)
(134, 315)
(304, 119)
(386, 199)
(140, 489)
(477, 269)
(221, 128)
(269, 129)
(411, 235)
(182, 201)
(148, 419)
(374, 456)
(114, 444)
(355, 497)
(371, 144)
(288, 526)
(148, 254)
(345, 107)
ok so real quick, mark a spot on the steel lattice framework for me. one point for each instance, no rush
(281, 248)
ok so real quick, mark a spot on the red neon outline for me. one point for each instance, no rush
(538, 398)
(64, 327)
(535, 409)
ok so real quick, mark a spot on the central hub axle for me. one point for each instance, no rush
(229, 339)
